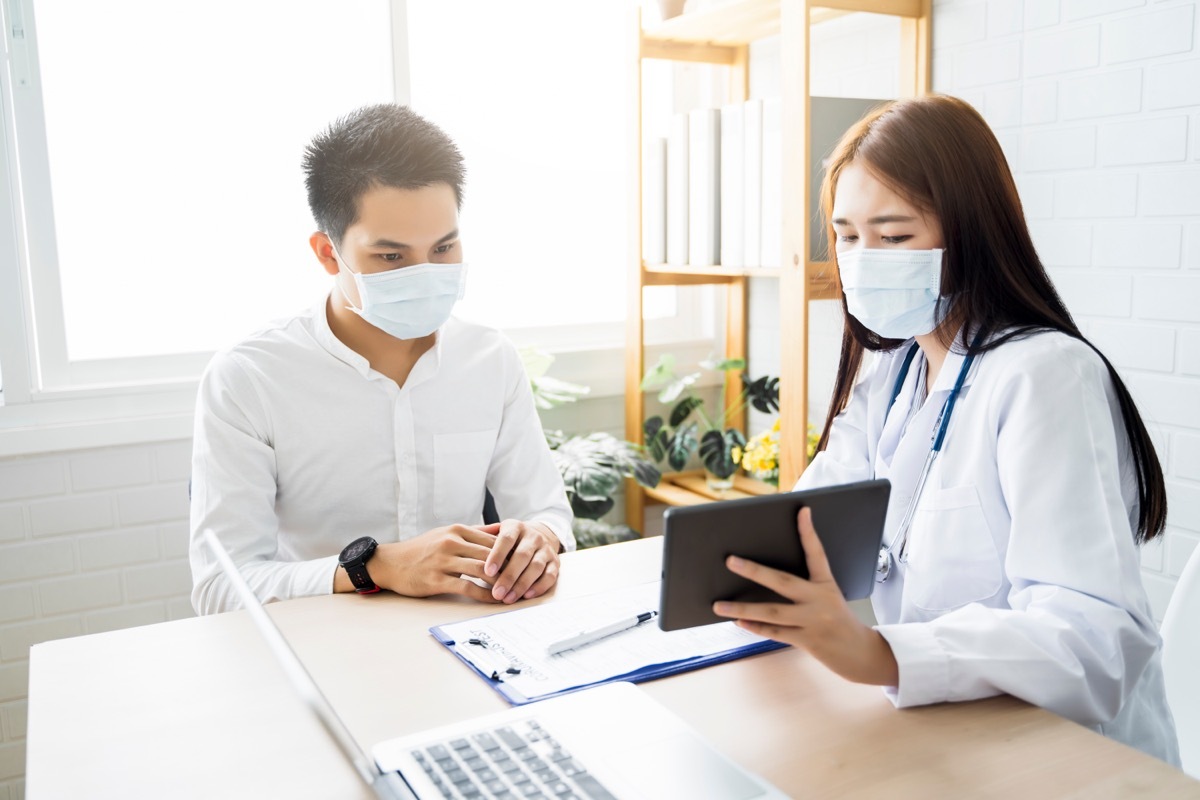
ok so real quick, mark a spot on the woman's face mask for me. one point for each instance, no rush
(893, 292)
(408, 302)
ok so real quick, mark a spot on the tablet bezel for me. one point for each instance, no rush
(697, 539)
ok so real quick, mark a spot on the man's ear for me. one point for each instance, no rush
(322, 247)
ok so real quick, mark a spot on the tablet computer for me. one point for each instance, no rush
(697, 539)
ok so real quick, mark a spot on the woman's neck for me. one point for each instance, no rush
(935, 355)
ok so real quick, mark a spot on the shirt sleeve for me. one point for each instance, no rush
(522, 477)
(1077, 634)
(233, 495)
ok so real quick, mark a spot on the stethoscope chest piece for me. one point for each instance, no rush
(883, 568)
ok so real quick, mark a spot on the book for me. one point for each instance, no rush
(704, 176)
(752, 186)
(733, 185)
(510, 650)
(654, 201)
(772, 182)
(677, 191)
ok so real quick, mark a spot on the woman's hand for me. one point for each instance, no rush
(817, 618)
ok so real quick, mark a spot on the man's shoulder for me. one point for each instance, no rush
(281, 339)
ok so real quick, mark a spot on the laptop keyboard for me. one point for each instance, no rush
(515, 761)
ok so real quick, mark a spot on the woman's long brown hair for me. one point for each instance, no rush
(939, 154)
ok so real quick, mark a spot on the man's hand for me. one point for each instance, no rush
(523, 562)
(817, 618)
(435, 562)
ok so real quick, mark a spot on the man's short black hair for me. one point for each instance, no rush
(379, 145)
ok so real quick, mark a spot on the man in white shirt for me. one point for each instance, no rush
(348, 448)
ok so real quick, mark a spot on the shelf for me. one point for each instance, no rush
(822, 281)
(713, 34)
(690, 489)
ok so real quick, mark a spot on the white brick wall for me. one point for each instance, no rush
(1106, 167)
(90, 541)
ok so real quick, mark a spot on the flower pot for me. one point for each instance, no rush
(716, 483)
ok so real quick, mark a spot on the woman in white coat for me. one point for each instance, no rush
(1022, 475)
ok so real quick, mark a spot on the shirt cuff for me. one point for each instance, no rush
(560, 528)
(316, 577)
(924, 665)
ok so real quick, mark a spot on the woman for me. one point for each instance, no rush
(1022, 474)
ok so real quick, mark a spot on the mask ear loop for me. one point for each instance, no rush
(344, 268)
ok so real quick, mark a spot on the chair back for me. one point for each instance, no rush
(1181, 662)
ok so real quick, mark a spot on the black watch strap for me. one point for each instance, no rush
(354, 560)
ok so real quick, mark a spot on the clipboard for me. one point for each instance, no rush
(494, 645)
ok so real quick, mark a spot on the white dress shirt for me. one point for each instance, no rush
(1022, 573)
(300, 448)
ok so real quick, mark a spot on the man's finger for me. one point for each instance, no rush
(814, 551)
(506, 540)
(476, 534)
(544, 583)
(473, 591)
(539, 563)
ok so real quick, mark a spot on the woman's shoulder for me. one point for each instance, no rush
(1047, 354)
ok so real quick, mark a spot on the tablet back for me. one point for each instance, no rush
(849, 521)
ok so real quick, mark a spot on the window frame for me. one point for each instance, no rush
(50, 403)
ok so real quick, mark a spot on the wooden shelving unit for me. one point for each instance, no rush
(722, 35)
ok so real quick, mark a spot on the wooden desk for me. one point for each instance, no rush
(197, 708)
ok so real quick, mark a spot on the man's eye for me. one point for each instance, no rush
(390, 257)
(444, 248)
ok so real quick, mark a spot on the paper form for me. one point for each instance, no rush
(518, 640)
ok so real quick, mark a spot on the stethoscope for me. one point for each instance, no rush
(888, 553)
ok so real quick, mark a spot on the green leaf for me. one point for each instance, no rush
(762, 393)
(591, 509)
(683, 409)
(656, 438)
(724, 364)
(677, 387)
(662, 372)
(551, 392)
(588, 470)
(681, 445)
(716, 451)
(536, 362)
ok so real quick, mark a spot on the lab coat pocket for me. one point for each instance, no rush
(953, 559)
(460, 466)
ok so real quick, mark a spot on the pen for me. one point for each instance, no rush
(587, 637)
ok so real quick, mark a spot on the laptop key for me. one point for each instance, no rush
(511, 739)
(438, 752)
(592, 787)
(487, 741)
(559, 788)
(546, 776)
(532, 790)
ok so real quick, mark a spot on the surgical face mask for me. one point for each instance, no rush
(409, 302)
(893, 292)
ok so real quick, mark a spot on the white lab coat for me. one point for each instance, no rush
(1022, 573)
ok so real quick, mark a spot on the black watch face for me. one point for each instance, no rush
(355, 550)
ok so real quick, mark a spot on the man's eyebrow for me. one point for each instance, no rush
(394, 245)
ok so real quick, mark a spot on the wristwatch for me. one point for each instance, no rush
(354, 560)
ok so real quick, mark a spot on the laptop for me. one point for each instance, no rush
(609, 742)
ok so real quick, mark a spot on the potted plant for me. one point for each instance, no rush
(760, 456)
(592, 466)
(689, 426)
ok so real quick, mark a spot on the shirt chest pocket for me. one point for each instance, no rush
(953, 559)
(460, 467)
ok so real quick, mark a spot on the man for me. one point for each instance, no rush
(348, 448)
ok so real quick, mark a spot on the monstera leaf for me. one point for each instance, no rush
(716, 451)
(657, 438)
(681, 446)
(724, 364)
(762, 393)
(683, 408)
(593, 467)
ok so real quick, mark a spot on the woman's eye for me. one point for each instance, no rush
(896, 239)
(849, 237)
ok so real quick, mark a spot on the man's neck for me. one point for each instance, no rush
(386, 354)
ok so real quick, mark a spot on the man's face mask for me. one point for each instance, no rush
(408, 302)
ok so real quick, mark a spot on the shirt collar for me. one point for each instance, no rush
(425, 368)
(952, 365)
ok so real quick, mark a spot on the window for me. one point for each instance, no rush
(152, 206)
